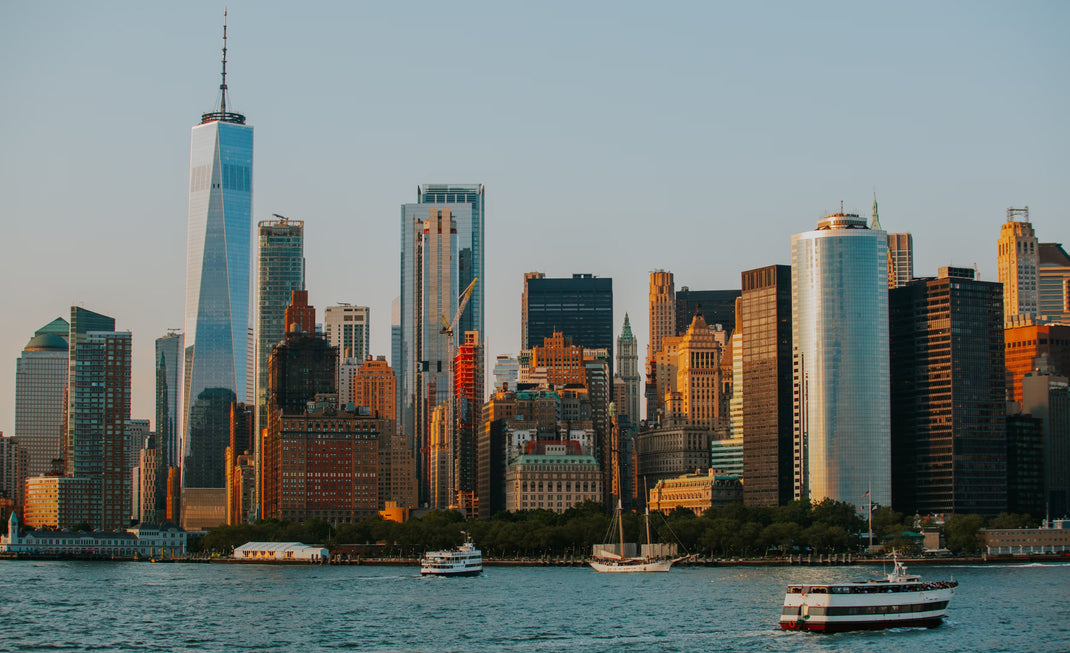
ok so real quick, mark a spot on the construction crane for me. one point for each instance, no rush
(448, 329)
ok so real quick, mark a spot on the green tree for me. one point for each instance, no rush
(961, 533)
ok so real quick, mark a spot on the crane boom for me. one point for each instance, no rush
(449, 327)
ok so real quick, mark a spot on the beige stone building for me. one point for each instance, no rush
(552, 476)
(696, 492)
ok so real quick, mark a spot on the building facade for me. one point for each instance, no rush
(768, 451)
(1046, 396)
(661, 302)
(218, 269)
(468, 396)
(1024, 345)
(580, 307)
(715, 307)
(1053, 282)
(839, 308)
(695, 492)
(348, 328)
(1017, 262)
(552, 476)
(41, 396)
(948, 395)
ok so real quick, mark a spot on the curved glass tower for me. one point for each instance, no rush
(839, 303)
(218, 265)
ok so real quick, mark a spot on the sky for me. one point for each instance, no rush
(612, 139)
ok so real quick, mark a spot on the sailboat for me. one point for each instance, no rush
(606, 561)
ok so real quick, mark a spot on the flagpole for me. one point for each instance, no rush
(869, 493)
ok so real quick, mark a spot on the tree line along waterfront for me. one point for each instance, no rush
(798, 528)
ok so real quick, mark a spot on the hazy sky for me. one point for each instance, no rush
(613, 138)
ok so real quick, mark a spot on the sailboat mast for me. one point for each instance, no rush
(620, 526)
(649, 544)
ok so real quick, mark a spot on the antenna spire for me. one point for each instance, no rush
(876, 224)
(223, 85)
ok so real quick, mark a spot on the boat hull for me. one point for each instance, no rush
(466, 573)
(625, 568)
(844, 626)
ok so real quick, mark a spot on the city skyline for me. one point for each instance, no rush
(950, 135)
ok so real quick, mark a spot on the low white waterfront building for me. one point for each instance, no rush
(140, 541)
(280, 551)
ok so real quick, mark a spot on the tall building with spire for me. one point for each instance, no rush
(1017, 264)
(218, 267)
(841, 373)
(628, 372)
(900, 253)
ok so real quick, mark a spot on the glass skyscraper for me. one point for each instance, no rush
(435, 268)
(839, 304)
(218, 265)
(40, 394)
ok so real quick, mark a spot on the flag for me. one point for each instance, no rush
(865, 495)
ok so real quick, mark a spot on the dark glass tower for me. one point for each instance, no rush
(715, 306)
(768, 449)
(580, 308)
(949, 437)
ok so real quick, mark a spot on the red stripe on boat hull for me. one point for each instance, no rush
(842, 626)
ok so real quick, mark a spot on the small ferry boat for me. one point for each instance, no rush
(897, 600)
(464, 560)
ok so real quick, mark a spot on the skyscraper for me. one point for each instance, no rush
(715, 307)
(434, 233)
(628, 372)
(280, 269)
(348, 328)
(168, 428)
(218, 245)
(1017, 262)
(839, 307)
(40, 395)
(948, 395)
(662, 314)
(768, 452)
(900, 253)
(1054, 280)
(468, 399)
(97, 416)
(580, 307)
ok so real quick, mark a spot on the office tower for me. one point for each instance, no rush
(841, 359)
(506, 371)
(524, 342)
(280, 270)
(768, 450)
(429, 295)
(168, 427)
(580, 307)
(322, 463)
(375, 388)
(715, 307)
(561, 359)
(468, 401)
(41, 396)
(1054, 279)
(348, 328)
(241, 486)
(628, 372)
(466, 203)
(948, 395)
(149, 505)
(97, 415)
(490, 446)
(10, 474)
(218, 268)
(348, 367)
(395, 352)
(1046, 396)
(137, 432)
(1025, 344)
(698, 379)
(1025, 465)
(662, 317)
(299, 368)
(900, 253)
(735, 349)
(1017, 262)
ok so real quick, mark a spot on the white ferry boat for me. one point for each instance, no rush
(464, 560)
(898, 600)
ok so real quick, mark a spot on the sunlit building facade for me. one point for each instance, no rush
(839, 281)
(1017, 262)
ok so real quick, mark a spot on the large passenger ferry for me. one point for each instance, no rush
(898, 600)
(464, 560)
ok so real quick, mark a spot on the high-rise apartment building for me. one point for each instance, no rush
(768, 451)
(662, 318)
(40, 396)
(97, 415)
(218, 268)
(1054, 282)
(580, 307)
(839, 308)
(948, 395)
(1017, 263)
(280, 270)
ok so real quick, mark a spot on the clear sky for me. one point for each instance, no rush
(613, 138)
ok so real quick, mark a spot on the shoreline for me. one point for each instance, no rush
(840, 560)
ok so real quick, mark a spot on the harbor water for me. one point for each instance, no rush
(67, 605)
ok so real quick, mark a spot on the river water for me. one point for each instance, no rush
(227, 607)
